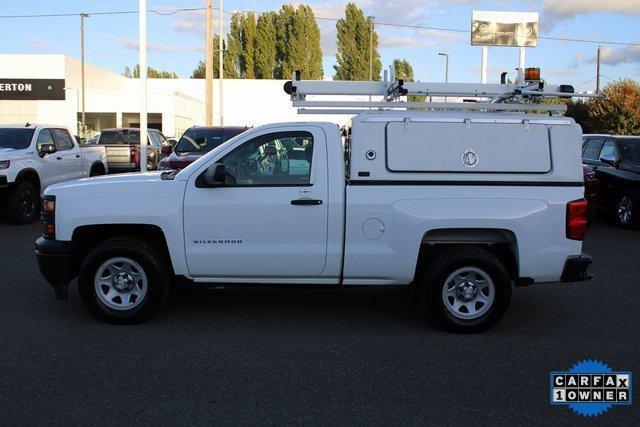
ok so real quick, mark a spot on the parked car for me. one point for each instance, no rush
(429, 199)
(590, 189)
(32, 157)
(123, 148)
(196, 142)
(616, 162)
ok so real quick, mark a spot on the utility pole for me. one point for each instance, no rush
(83, 130)
(598, 70)
(143, 83)
(446, 69)
(208, 70)
(221, 63)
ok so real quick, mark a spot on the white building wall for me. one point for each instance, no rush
(180, 102)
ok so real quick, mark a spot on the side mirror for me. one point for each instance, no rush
(610, 160)
(166, 150)
(173, 142)
(44, 149)
(215, 175)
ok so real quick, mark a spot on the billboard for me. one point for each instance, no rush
(518, 29)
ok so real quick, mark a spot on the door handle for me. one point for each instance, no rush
(312, 202)
(58, 158)
(77, 156)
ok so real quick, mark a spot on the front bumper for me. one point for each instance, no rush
(55, 263)
(575, 269)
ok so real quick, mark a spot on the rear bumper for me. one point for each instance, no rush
(55, 263)
(575, 269)
(123, 167)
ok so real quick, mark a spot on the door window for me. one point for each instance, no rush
(62, 139)
(155, 140)
(592, 149)
(44, 137)
(282, 158)
(609, 151)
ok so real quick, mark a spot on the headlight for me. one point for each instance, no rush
(4, 164)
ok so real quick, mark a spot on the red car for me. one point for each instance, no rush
(195, 143)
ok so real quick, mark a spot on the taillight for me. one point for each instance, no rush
(48, 217)
(135, 155)
(577, 219)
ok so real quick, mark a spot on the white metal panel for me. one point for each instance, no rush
(440, 147)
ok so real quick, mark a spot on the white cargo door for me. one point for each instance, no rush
(468, 147)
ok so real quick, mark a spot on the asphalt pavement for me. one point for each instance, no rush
(264, 355)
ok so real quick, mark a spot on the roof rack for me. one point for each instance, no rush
(526, 94)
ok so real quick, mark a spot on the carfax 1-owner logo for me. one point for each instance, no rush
(591, 388)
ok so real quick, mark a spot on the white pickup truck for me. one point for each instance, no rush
(460, 205)
(32, 157)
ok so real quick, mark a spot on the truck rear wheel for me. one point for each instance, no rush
(124, 280)
(23, 206)
(465, 289)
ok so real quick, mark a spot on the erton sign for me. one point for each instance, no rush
(504, 29)
(32, 89)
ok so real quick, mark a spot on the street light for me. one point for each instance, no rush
(446, 69)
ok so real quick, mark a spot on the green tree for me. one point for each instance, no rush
(618, 113)
(234, 46)
(404, 70)
(151, 73)
(298, 43)
(357, 43)
(265, 46)
(229, 70)
(248, 51)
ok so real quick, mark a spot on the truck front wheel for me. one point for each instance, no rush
(124, 280)
(23, 206)
(465, 289)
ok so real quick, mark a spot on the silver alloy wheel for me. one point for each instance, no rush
(27, 203)
(121, 283)
(625, 210)
(468, 293)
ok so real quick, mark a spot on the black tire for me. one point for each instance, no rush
(23, 204)
(97, 171)
(148, 257)
(626, 211)
(430, 290)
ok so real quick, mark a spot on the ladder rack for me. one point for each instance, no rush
(523, 95)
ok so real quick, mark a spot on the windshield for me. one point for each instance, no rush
(120, 136)
(202, 140)
(630, 149)
(15, 138)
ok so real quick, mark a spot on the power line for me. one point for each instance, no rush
(117, 12)
(384, 24)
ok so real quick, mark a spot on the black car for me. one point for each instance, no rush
(616, 162)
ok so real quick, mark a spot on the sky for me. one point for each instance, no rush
(176, 39)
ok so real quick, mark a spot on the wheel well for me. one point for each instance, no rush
(86, 237)
(31, 176)
(500, 242)
(97, 166)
